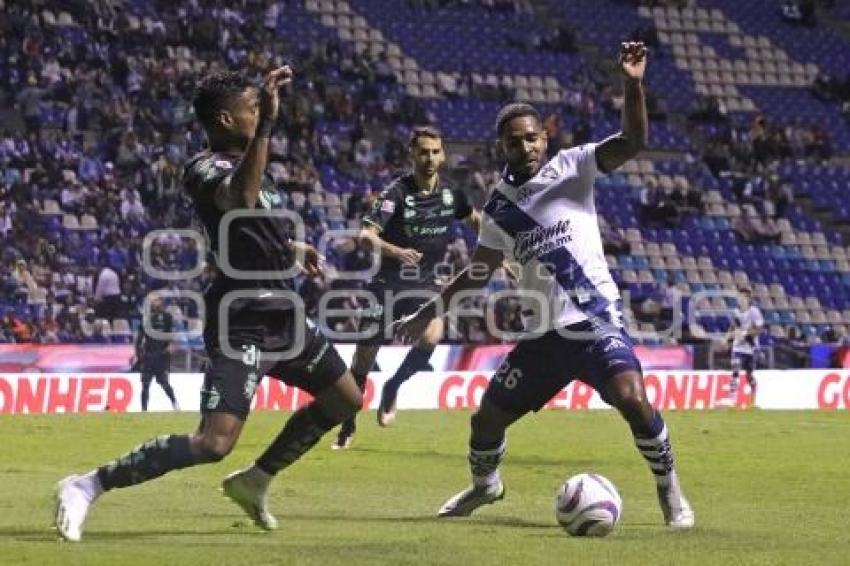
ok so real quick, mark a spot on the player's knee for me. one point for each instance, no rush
(214, 447)
(627, 394)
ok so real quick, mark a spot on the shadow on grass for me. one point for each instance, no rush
(50, 535)
(460, 458)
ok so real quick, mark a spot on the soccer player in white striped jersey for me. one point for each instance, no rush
(542, 217)
(748, 324)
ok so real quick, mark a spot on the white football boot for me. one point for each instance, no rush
(676, 509)
(470, 499)
(251, 495)
(72, 506)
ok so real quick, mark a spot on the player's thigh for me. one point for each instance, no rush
(319, 370)
(612, 368)
(161, 376)
(229, 384)
(531, 374)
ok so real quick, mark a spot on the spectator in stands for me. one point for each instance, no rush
(754, 229)
(27, 286)
(656, 207)
(685, 199)
(817, 144)
(613, 237)
(792, 351)
(29, 99)
(780, 193)
(107, 293)
(799, 12)
(16, 329)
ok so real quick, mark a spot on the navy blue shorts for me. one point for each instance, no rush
(538, 368)
(741, 361)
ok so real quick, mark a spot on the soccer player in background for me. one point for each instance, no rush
(748, 324)
(153, 355)
(238, 119)
(410, 225)
(542, 216)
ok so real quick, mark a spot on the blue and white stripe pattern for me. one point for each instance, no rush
(548, 227)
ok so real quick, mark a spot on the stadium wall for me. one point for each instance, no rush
(38, 393)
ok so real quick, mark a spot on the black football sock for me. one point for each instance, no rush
(416, 360)
(169, 391)
(150, 460)
(302, 431)
(146, 393)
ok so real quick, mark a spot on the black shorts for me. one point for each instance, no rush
(538, 368)
(393, 303)
(230, 382)
(159, 373)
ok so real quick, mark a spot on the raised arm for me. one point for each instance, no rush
(243, 190)
(619, 148)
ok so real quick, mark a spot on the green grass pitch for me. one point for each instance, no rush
(767, 487)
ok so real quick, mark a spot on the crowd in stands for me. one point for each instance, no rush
(105, 101)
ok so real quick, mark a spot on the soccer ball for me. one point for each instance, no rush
(588, 505)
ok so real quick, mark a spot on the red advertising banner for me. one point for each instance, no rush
(36, 393)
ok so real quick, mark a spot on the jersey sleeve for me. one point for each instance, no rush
(581, 160)
(384, 208)
(490, 235)
(462, 207)
(205, 175)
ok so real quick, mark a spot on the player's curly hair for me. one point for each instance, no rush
(515, 110)
(215, 91)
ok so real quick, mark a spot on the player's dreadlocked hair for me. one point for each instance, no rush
(214, 91)
(515, 110)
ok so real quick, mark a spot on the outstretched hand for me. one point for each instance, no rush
(411, 327)
(270, 92)
(633, 60)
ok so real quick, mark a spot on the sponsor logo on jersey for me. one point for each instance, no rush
(448, 197)
(388, 206)
(541, 240)
(223, 164)
(549, 173)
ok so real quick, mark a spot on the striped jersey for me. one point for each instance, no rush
(547, 225)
